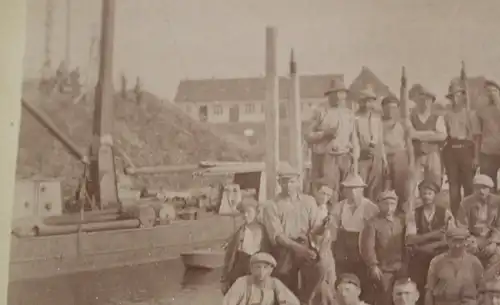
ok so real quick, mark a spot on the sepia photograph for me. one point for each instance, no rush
(264, 152)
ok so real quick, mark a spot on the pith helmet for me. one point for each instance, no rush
(336, 85)
(491, 83)
(354, 181)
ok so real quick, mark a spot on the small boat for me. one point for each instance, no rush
(203, 259)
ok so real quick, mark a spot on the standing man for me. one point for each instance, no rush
(489, 120)
(428, 133)
(479, 213)
(398, 163)
(454, 276)
(335, 144)
(372, 158)
(382, 246)
(462, 142)
(348, 220)
(292, 220)
(405, 292)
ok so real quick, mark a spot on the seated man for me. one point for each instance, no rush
(250, 238)
(348, 290)
(479, 214)
(425, 233)
(260, 288)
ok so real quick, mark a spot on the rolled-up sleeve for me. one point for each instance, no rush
(271, 221)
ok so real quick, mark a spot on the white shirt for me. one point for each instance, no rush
(352, 219)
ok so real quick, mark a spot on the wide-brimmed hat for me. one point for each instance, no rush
(418, 90)
(353, 181)
(453, 88)
(367, 94)
(491, 83)
(483, 180)
(263, 257)
(336, 85)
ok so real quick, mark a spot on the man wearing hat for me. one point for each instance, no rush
(348, 220)
(405, 292)
(334, 143)
(428, 133)
(292, 221)
(479, 214)
(459, 151)
(425, 232)
(348, 289)
(454, 276)
(382, 246)
(489, 291)
(259, 287)
(372, 159)
(395, 148)
(489, 118)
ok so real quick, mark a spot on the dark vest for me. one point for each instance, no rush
(438, 220)
(422, 148)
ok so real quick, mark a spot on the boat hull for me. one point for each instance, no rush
(47, 256)
(203, 259)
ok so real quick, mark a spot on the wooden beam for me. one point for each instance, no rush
(102, 168)
(271, 112)
(296, 158)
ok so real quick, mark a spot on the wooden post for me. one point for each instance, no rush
(103, 173)
(296, 158)
(272, 110)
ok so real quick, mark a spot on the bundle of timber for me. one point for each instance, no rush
(150, 132)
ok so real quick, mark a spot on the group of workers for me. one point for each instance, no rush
(365, 237)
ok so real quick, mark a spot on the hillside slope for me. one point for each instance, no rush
(151, 133)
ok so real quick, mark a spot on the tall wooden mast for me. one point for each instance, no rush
(102, 170)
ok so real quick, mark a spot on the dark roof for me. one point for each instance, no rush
(365, 79)
(249, 89)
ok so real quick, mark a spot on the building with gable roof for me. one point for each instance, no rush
(243, 99)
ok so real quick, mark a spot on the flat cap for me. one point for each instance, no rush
(403, 280)
(387, 195)
(248, 202)
(348, 278)
(483, 180)
(263, 257)
(430, 185)
(457, 233)
(490, 285)
(285, 170)
(390, 100)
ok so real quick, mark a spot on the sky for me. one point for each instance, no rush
(165, 41)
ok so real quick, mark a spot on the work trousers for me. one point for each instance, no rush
(489, 165)
(429, 167)
(371, 169)
(397, 176)
(335, 170)
(458, 161)
(316, 168)
(382, 295)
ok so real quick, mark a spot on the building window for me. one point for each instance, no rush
(249, 108)
(218, 110)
